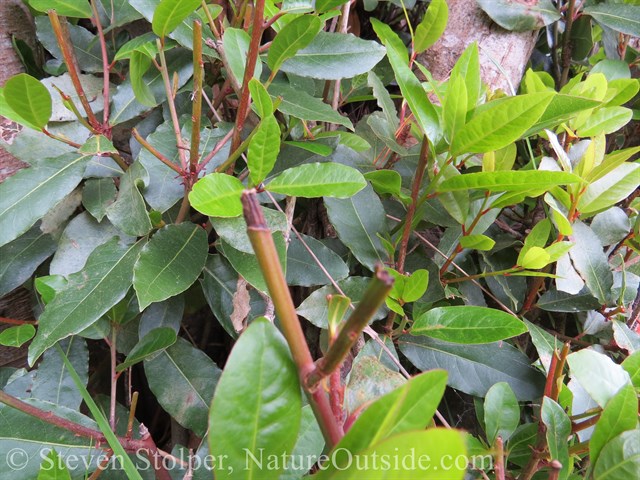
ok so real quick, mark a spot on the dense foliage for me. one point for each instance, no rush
(221, 198)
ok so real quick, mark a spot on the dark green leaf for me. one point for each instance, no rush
(558, 431)
(491, 363)
(559, 301)
(620, 17)
(256, 408)
(129, 212)
(303, 270)
(234, 230)
(152, 343)
(170, 263)
(97, 195)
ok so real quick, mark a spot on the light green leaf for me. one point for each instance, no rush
(610, 188)
(620, 458)
(500, 123)
(454, 107)
(357, 221)
(67, 8)
(331, 56)
(501, 412)
(53, 467)
(619, 415)
(138, 66)
(318, 180)
(631, 365)
(256, 408)
(261, 99)
(235, 42)
(415, 285)
(477, 242)
(534, 258)
(29, 194)
(558, 431)
(385, 181)
(263, 149)
(620, 17)
(604, 120)
(17, 336)
(409, 84)
(468, 68)
(152, 343)
(29, 99)
(597, 374)
(89, 294)
(468, 324)
(432, 25)
(183, 379)
(508, 181)
(170, 262)
(294, 36)
(491, 363)
(170, 13)
(217, 195)
(561, 109)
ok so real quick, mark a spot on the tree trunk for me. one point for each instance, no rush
(15, 20)
(468, 23)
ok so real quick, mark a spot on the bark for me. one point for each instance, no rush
(468, 23)
(15, 20)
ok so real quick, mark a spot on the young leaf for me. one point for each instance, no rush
(29, 99)
(331, 56)
(263, 149)
(468, 324)
(217, 195)
(53, 468)
(454, 107)
(604, 120)
(256, 408)
(170, 13)
(89, 294)
(169, 263)
(468, 68)
(501, 412)
(500, 123)
(318, 180)
(477, 242)
(508, 181)
(294, 36)
(534, 258)
(610, 188)
(29, 194)
(415, 286)
(261, 99)
(17, 336)
(432, 26)
(67, 8)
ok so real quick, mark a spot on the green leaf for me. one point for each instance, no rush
(508, 181)
(53, 468)
(256, 408)
(152, 343)
(97, 195)
(129, 212)
(384, 101)
(432, 25)
(331, 56)
(610, 188)
(29, 99)
(21, 257)
(183, 379)
(169, 263)
(312, 146)
(67, 8)
(500, 123)
(409, 407)
(631, 365)
(300, 104)
(597, 374)
(357, 221)
(604, 120)
(561, 109)
(309, 445)
(53, 382)
(491, 363)
(369, 379)
(558, 301)
(261, 99)
(138, 66)
(294, 36)
(235, 42)
(170, 13)
(619, 415)
(620, 17)
(626, 338)
(29, 194)
(263, 149)
(620, 458)
(89, 294)
(534, 258)
(234, 230)
(315, 307)
(468, 324)
(468, 68)
(558, 431)
(385, 181)
(590, 262)
(217, 195)
(520, 17)
(477, 242)
(415, 285)
(303, 270)
(317, 180)
(501, 412)
(454, 107)
(409, 84)
(17, 336)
